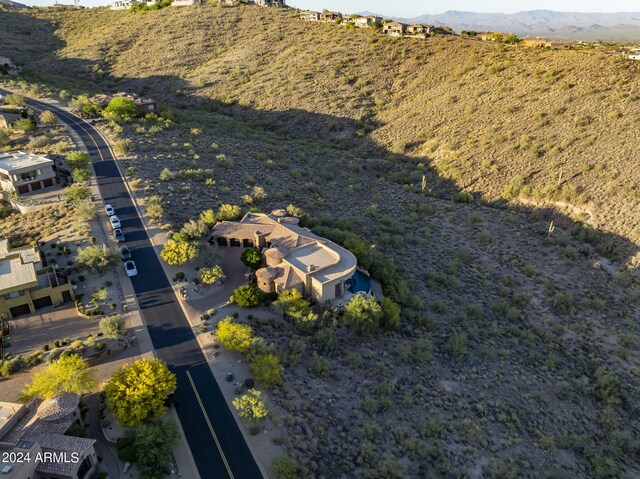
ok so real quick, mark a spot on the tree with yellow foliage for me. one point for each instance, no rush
(139, 389)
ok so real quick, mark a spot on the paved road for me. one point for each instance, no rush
(216, 442)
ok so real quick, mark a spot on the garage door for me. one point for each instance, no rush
(19, 310)
(42, 302)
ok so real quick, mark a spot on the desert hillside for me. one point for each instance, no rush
(442, 164)
(539, 127)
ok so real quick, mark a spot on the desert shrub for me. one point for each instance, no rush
(234, 336)
(363, 313)
(284, 468)
(267, 369)
(247, 296)
(251, 257)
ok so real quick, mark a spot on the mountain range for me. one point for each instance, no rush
(543, 23)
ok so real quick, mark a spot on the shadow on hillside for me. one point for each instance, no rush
(340, 133)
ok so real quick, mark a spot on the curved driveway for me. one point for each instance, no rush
(216, 442)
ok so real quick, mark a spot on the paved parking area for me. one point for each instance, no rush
(30, 333)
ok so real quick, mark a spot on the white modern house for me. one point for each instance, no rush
(23, 173)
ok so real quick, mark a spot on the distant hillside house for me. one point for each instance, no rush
(633, 56)
(270, 3)
(364, 22)
(310, 16)
(295, 257)
(419, 29)
(26, 284)
(143, 105)
(121, 5)
(25, 172)
(8, 119)
(37, 431)
(533, 42)
(184, 3)
(559, 45)
(330, 16)
(394, 28)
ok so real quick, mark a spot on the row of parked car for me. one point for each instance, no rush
(125, 253)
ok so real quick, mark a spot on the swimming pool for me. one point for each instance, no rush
(359, 282)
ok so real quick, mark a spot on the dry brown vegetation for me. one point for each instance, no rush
(518, 355)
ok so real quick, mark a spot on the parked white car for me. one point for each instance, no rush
(115, 222)
(130, 268)
(109, 210)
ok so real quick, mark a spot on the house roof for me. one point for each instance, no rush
(303, 251)
(58, 407)
(17, 267)
(10, 117)
(48, 432)
(17, 161)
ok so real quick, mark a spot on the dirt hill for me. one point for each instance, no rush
(446, 158)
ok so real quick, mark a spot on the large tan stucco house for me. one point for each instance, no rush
(295, 258)
(27, 285)
(37, 431)
(22, 172)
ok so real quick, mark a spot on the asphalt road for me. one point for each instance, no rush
(216, 442)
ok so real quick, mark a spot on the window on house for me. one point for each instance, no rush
(85, 467)
(15, 294)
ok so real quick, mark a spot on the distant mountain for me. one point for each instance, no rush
(9, 3)
(544, 23)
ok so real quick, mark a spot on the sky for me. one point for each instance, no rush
(414, 8)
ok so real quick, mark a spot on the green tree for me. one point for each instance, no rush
(267, 369)
(247, 296)
(112, 327)
(251, 406)
(208, 218)
(251, 257)
(234, 336)
(96, 258)
(228, 212)
(284, 467)
(363, 313)
(81, 174)
(293, 306)
(176, 253)
(15, 99)
(390, 313)
(4, 137)
(78, 159)
(137, 390)
(211, 275)
(194, 230)
(24, 124)
(69, 374)
(48, 117)
(77, 193)
(120, 107)
(154, 444)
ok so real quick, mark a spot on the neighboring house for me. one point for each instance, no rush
(330, 16)
(394, 28)
(8, 119)
(363, 22)
(633, 56)
(533, 42)
(270, 3)
(559, 45)
(27, 284)
(419, 29)
(310, 16)
(295, 257)
(143, 105)
(38, 430)
(25, 172)
(121, 5)
(184, 3)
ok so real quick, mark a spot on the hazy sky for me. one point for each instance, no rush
(413, 8)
